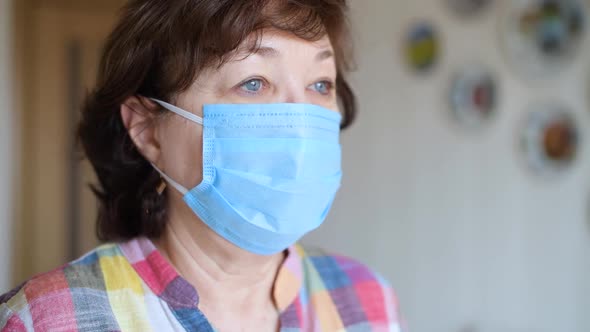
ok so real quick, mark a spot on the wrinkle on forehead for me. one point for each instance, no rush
(263, 44)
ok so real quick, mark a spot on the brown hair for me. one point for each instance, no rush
(157, 49)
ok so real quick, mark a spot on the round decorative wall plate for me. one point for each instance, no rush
(473, 96)
(422, 47)
(551, 138)
(467, 8)
(541, 36)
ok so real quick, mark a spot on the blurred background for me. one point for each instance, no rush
(467, 173)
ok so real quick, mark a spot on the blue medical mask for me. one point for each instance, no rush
(270, 172)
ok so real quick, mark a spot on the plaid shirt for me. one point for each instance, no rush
(131, 287)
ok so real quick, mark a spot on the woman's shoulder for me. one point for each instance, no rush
(348, 284)
(61, 299)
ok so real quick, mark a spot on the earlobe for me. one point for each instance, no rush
(139, 119)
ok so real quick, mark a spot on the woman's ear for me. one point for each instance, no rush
(140, 123)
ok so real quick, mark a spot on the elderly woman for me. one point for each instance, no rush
(214, 133)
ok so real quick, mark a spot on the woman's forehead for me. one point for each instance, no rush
(272, 42)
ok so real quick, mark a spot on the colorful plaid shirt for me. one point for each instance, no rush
(132, 287)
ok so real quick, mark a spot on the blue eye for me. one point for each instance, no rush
(253, 85)
(323, 87)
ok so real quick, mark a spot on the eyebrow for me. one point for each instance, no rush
(273, 53)
(267, 52)
(326, 54)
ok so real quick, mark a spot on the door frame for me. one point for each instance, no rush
(38, 245)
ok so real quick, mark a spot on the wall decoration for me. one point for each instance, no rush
(422, 47)
(541, 36)
(468, 8)
(473, 96)
(551, 139)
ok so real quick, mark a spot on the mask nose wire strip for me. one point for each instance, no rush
(187, 115)
(173, 183)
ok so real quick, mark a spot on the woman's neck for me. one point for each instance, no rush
(224, 275)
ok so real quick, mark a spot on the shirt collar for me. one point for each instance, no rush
(289, 278)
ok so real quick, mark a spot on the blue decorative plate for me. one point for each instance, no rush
(541, 36)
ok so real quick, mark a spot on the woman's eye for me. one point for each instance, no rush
(323, 87)
(253, 85)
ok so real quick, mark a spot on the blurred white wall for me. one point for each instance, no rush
(7, 149)
(470, 240)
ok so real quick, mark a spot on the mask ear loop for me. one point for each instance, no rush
(187, 115)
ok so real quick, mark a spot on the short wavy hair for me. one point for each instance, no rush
(157, 49)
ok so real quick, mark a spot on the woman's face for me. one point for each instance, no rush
(285, 69)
